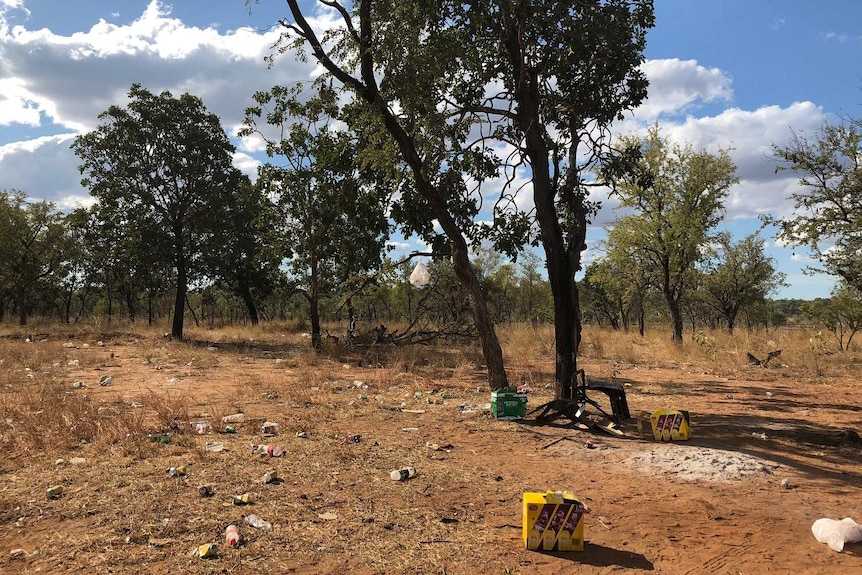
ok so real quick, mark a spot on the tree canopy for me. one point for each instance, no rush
(827, 215)
(161, 171)
(676, 195)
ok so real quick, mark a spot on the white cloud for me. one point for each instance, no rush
(677, 85)
(43, 168)
(71, 79)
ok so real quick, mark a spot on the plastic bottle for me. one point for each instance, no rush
(402, 474)
(257, 522)
(231, 536)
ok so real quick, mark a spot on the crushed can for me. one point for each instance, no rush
(270, 476)
(402, 474)
(207, 490)
(54, 491)
(206, 550)
(243, 499)
(178, 471)
(230, 429)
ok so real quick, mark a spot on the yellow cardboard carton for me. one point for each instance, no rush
(664, 425)
(553, 522)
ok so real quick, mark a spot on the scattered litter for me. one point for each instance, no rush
(836, 533)
(214, 447)
(761, 436)
(106, 380)
(73, 362)
(230, 429)
(270, 428)
(17, 554)
(354, 438)
(271, 449)
(328, 516)
(231, 535)
(160, 438)
(201, 427)
(420, 276)
(137, 405)
(270, 476)
(54, 492)
(78, 385)
(402, 474)
(787, 484)
(589, 444)
(235, 418)
(257, 522)
(244, 499)
(178, 471)
(205, 551)
(412, 411)
(207, 490)
(410, 429)
(77, 461)
(437, 447)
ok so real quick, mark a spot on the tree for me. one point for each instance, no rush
(162, 167)
(245, 253)
(677, 197)
(334, 209)
(546, 80)
(32, 237)
(841, 314)
(737, 275)
(827, 215)
(396, 64)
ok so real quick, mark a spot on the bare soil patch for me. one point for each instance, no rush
(714, 504)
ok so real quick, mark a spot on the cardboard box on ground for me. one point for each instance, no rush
(664, 425)
(507, 403)
(553, 521)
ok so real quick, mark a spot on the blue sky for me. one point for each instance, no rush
(723, 73)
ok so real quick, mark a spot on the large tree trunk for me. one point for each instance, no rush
(675, 316)
(180, 300)
(314, 298)
(245, 294)
(21, 294)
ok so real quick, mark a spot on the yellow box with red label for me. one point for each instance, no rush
(553, 521)
(664, 425)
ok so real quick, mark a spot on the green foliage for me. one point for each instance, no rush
(677, 198)
(841, 315)
(332, 208)
(828, 210)
(737, 275)
(161, 171)
(33, 242)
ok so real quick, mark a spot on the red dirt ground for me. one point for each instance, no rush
(337, 511)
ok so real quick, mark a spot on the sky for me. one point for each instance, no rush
(729, 74)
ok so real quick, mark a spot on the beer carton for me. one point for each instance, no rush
(553, 522)
(664, 425)
(507, 403)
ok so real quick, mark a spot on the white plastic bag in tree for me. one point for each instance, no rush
(837, 533)
(420, 276)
